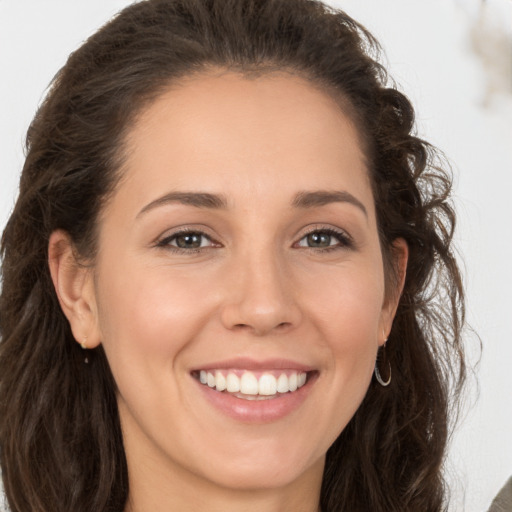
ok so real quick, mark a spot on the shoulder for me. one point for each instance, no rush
(503, 501)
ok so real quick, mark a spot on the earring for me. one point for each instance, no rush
(84, 347)
(381, 356)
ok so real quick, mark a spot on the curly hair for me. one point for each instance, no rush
(61, 445)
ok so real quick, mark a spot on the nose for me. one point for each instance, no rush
(260, 296)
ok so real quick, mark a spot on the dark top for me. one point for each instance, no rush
(503, 502)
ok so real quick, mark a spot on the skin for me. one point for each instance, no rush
(256, 288)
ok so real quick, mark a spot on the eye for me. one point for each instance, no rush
(325, 239)
(187, 241)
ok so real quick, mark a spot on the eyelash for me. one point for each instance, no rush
(344, 241)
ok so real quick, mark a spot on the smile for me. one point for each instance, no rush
(251, 385)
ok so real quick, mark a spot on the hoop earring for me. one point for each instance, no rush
(378, 376)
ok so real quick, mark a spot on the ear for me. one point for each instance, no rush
(74, 285)
(400, 256)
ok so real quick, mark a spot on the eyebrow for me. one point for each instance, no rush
(302, 200)
(324, 197)
(197, 199)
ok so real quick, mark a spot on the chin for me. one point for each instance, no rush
(269, 466)
(253, 476)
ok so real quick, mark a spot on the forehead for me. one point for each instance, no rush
(226, 132)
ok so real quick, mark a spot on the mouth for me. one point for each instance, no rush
(256, 392)
(253, 385)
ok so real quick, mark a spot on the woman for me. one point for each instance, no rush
(225, 227)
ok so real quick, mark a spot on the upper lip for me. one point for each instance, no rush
(246, 363)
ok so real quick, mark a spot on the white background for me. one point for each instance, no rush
(451, 58)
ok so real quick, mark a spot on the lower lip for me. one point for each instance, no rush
(257, 411)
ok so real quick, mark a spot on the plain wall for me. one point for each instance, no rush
(464, 106)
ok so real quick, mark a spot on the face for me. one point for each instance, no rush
(239, 285)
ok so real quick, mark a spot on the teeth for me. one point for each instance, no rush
(267, 385)
(248, 384)
(220, 381)
(282, 384)
(292, 382)
(232, 383)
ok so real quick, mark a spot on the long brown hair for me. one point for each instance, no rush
(61, 446)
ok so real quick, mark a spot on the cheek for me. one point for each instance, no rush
(346, 308)
(150, 313)
(346, 303)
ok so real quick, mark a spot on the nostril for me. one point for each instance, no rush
(259, 329)
(260, 317)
